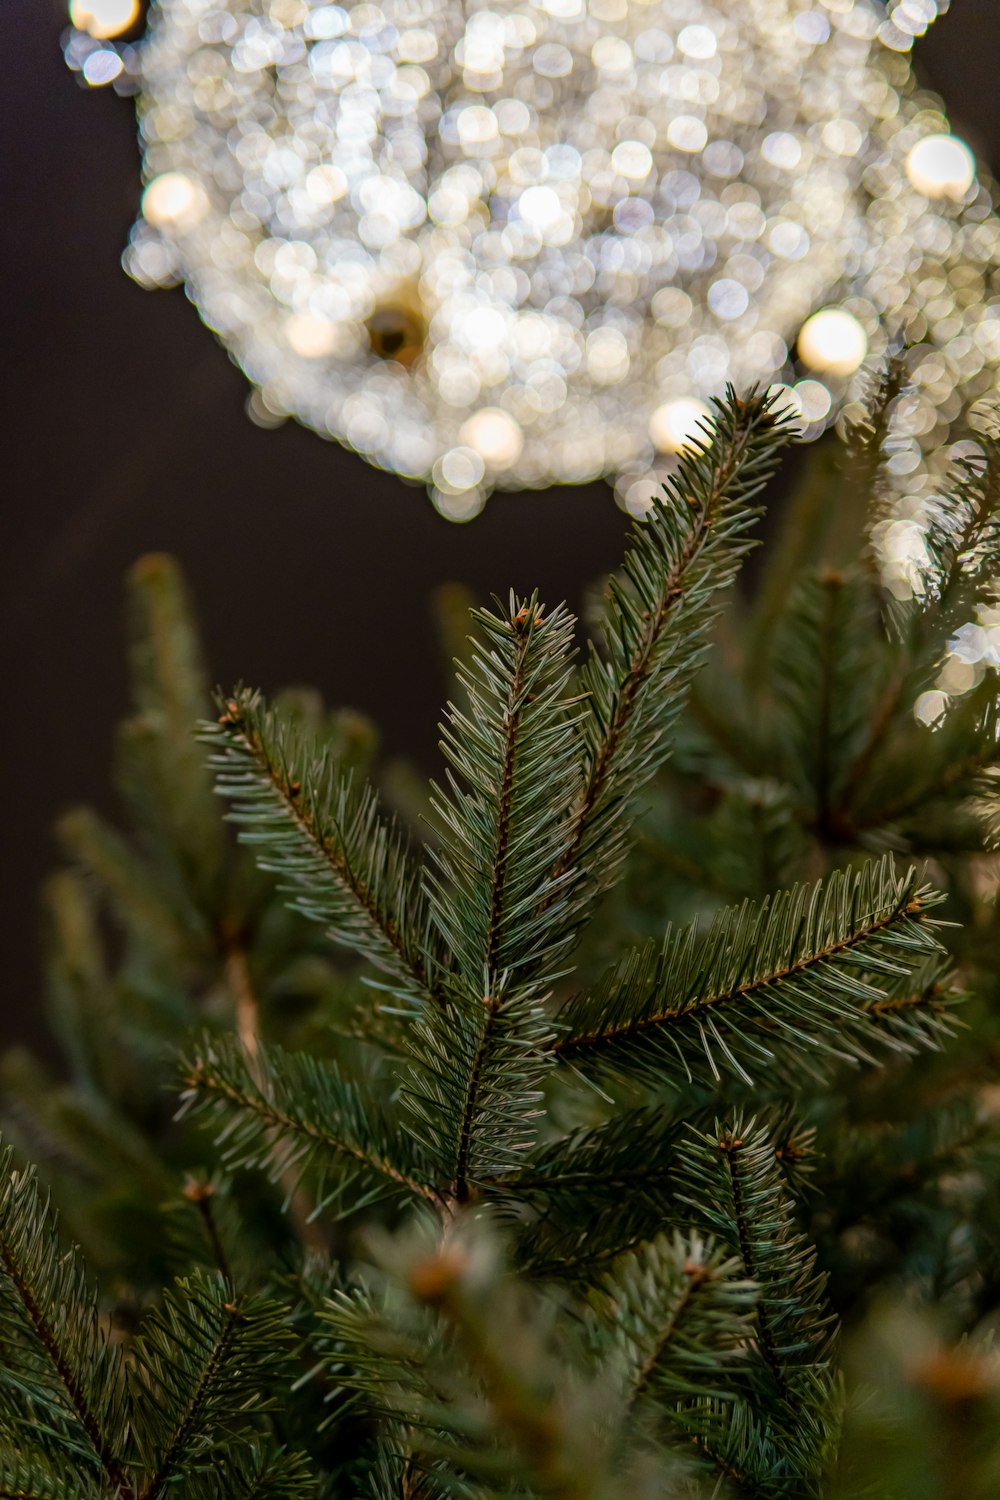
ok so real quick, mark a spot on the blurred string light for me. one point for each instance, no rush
(520, 242)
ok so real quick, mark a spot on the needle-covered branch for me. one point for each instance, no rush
(295, 1117)
(341, 861)
(59, 1369)
(592, 1194)
(801, 974)
(513, 754)
(210, 1361)
(681, 1311)
(501, 911)
(736, 1192)
(656, 621)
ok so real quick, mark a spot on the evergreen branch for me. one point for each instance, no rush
(955, 764)
(598, 1160)
(256, 1473)
(514, 754)
(962, 539)
(38, 1477)
(290, 1114)
(867, 436)
(552, 1428)
(208, 1360)
(338, 859)
(55, 1355)
(474, 1088)
(826, 680)
(201, 1196)
(778, 1432)
(657, 617)
(247, 1017)
(397, 1474)
(798, 971)
(592, 1194)
(735, 1188)
(681, 1310)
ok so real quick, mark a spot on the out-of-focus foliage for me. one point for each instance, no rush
(550, 1159)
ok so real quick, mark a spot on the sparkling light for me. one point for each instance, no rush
(833, 341)
(514, 244)
(495, 436)
(104, 18)
(941, 166)
(174, 201)
(675, 423)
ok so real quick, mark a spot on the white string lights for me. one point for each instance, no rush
(522, 243)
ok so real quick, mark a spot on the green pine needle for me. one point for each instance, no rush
(294, 1116)
(805, 973)
(341, 862)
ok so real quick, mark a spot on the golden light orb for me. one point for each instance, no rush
(104, 18)
(495, 435)
(174, 201)
(941, 166)
(673, 425)
(833, 342)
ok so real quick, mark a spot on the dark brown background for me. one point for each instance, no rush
(123, 431)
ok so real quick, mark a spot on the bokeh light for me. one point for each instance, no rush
(675, 423)
(104, 18)
(833, 341)
(941, 166)
(525, 244)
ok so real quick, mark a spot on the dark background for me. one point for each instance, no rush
(123, 431)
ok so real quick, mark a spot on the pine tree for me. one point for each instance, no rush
(546, 1155)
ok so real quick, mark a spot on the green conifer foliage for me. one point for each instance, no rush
(550, 1154)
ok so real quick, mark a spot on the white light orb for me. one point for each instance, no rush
(312, 337)
(511, 244)
(174, 201)
(941, 166)
(673, 425)
(930, 707)
(104, 19)
(458, 470)
(833, 342)
(494, 435)
(814, 400)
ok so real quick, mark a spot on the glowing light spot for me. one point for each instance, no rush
(687, 133)
(728, 299)
(833, 341)
(174, 201)
(957, 676)
(101, 67)
(458, 507)
(814, 400)
(458, 470)
(495, 436)
(674, 424)
(633, 160)
(698, 42)
(941, 166)
(782, 150)
(611, 54)
(607, 356)
(540, 206)
(313, 338)
(104, 18)
(477, 126)
(930, 707)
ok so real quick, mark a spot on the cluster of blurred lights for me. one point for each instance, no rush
(525, 242)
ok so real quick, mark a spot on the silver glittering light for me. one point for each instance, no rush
(523, 243)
